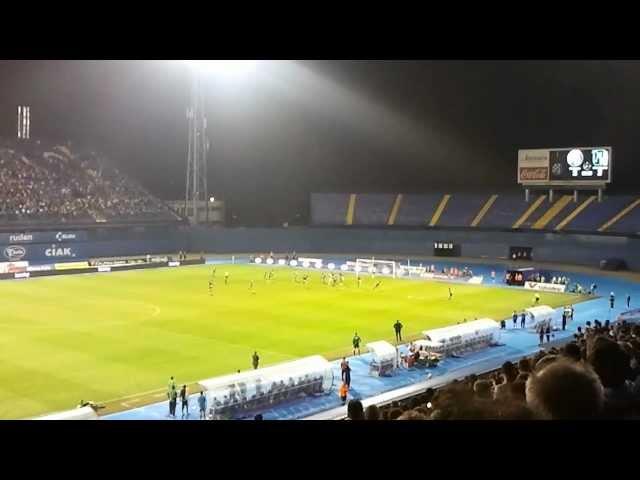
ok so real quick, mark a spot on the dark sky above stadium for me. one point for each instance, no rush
(291, 128)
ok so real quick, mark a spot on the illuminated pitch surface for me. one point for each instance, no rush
(104, 336)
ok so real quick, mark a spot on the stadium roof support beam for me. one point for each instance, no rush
(394, 210)
(575, 213)
(438, 213)
(529, 211)
(483, 211)
(619, 215)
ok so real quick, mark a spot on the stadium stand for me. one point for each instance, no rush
(597, 375)
(55, 183)
(373, 209)
(629, 223)
(615, 214)
(598, 213)
(462, 209)
(329, 208)
(417, 209)
(504, 212)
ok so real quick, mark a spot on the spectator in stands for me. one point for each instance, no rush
(545, 361)
(372, 413)
(412, 415)
(524, 365)
(571, 351)
(565, 390)
(613, 366)
(509, 375)
(483, 389)
(394, 413)
(355, 410)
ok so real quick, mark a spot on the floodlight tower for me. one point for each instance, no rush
(196, 190)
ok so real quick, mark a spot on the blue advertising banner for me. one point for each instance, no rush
(61, 252)
(43, 237)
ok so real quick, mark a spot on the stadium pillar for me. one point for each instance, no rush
(526, 195)
(575, 196)
(599, 195)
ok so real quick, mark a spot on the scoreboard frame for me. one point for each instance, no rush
(538, 162)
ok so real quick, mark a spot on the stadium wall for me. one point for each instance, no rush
(576, 249)
(56, 245)
(46, 246)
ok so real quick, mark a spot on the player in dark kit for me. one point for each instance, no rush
(378, 283)
(450, 293)
(226, 278)
(213, 272)
(628, 301)
(210, 287)
(356, 343)
(515, 319)
(523, 319)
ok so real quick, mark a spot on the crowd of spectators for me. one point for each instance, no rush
(54, 183)
(597, 375)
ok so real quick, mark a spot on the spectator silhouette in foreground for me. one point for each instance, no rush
(565, 390)
(355, 411)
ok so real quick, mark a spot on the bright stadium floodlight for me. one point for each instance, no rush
(386, 270)
(223, 68)
(282, 261)
(258, 260)
(344, 267)
(269, 261)
(293, 263)
(319, 264)
(331, 266)
(306, 264)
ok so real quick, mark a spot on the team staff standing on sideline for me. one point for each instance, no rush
(202, 406)
(255, 360)
(184, 399)
(397, 327)
(347, 375)
(612, 300)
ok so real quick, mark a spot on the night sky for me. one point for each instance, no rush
(291, 128)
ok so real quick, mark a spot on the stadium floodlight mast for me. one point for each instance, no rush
(198, 143)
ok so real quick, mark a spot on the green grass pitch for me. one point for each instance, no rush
(105, 336)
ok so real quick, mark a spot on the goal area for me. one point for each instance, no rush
(372, 266)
